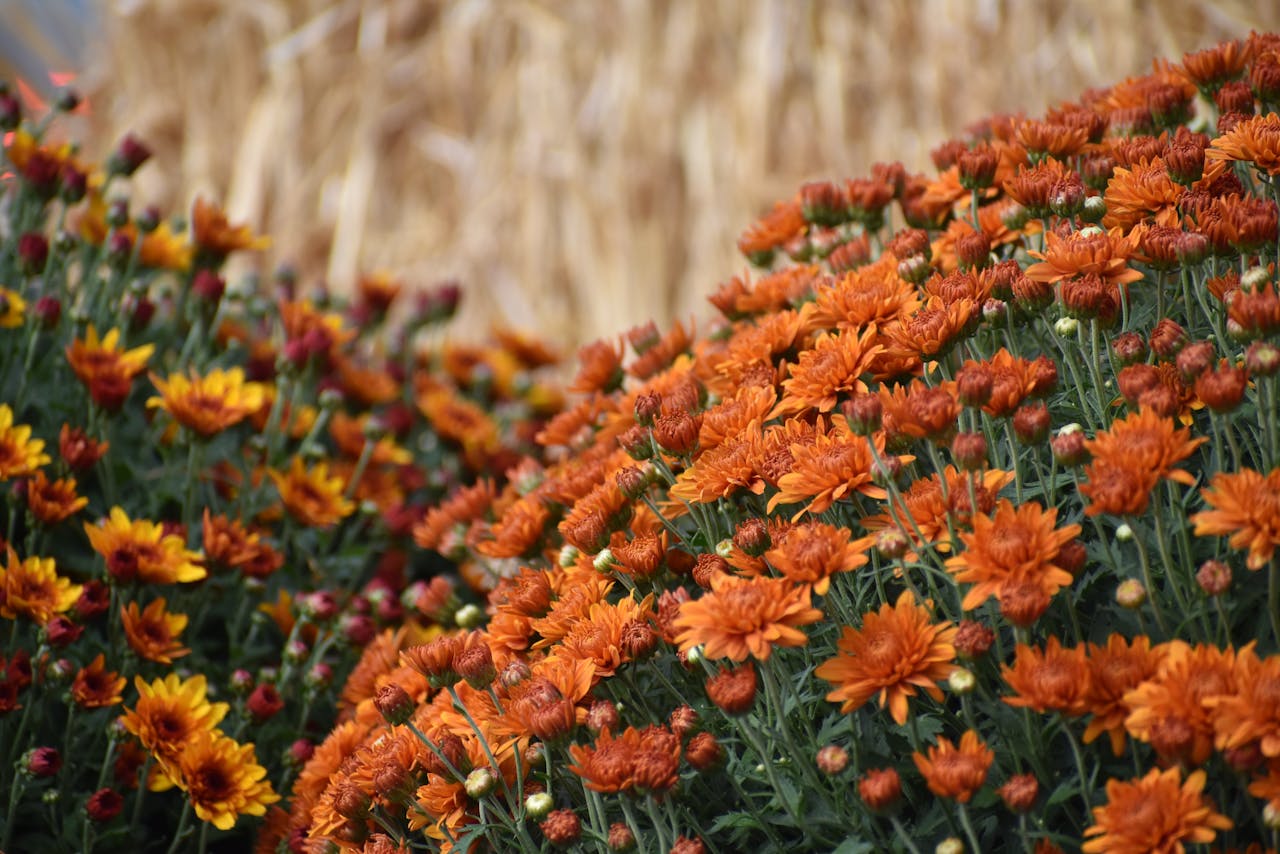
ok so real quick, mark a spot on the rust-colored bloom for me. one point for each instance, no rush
(1142, 192)
(784, 222)
(836, 464)
(1013, 546)
(617, 764)
(600, 367)
(33, 589)
(55, 501)
(105, 367)
(141, 550)
(834, 366)
(1255, 140)
(880, 788)
(1146, 440)
(20, 455)
(600, 637)
(1157, 812)
(1115, 670)
(812, 552)
(733, 691)
(742, 617)
(956, 771)
(153, 632)
(1105, 254)
(1251, 715)
(1171, 711)
(95, 686)
(1246, 506)
(310, 495)
(1052, 679)
(898, 650)
(1117, 488)
(171, 711)
(216, 236)
(77, 450)
(208, 404)
(222, 779)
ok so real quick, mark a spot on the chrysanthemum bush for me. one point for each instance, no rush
(209, 494)
(957, 529)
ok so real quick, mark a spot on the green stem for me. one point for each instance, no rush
(182, 826)
(968, 828)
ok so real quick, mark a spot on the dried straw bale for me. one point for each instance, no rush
(582, 165)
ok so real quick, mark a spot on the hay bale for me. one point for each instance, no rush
(580, 166)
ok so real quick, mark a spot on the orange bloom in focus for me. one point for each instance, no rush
(215, 235)
(153, 632)
(1145, 440)
(20, 455)
(601, 637)
(1255, 140)
(1246, 506)
(1049, 680)
(33, 589)
(722, 470)
(222, 779)
(898, 650)
(743, 617)
(1105, 254)
(832, 367)
(1141, 192)
(956, 772)
(105, 368)
(931, 512)
(813, 552)
(1115, 670)
(873, 294)
(210, 404)
(1117, 489)
(1013, 546)
(1172, 710)
(52, 502)
(310, 495)
(141, 550)
(931, 330)
(836, 464)
(170, 711)
(1155, 813)
(617, 764)
(96, 687)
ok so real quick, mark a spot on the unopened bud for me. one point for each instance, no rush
(1131, 594)
(962, 681)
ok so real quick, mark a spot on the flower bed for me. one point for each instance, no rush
(958, 528)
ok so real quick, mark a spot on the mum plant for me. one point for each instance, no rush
(958, 528)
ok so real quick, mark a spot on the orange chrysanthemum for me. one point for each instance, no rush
(1013, 546)
(1255, 140)
(1114, 670)
(1139, 193)
(215, 235)
(733, 416)
(601, 637)
(927, 510)
(956, 772)
(106, 368)
(873, 294)
(1105, 254)
(833, 367)
(898, 650)
(1251, 715)
(743, 617)
(20, 455)
(722, 470)
(813, 552)
(33, 589)
(141, 550)
(1155, 813)
(1117, 488)
(1147, 441)
(96, 687)
(153, 632)
(210, 404)
(459, 420)
(1049, 680)
(784, 222)
(310, 495)
(1171, 711)
(55, 501)
(836, 464)
(619, 763)
(170, 711)
(222, 779)
(1246, 506)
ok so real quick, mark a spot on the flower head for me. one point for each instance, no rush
(310, 495)
(33, 589)
(170, 712)
(153, 633)
(141, 550)
(20, 455)
(210, 404)
(956, 771)
(222, 779)
(1157, 812)
(106, 368)
(743, 617)
(1246, 506)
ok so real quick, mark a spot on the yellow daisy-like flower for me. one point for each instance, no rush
(141, 550)
(20, 455)
(210, 404)
(161, 249)
(32, 588)
(106, 368)
(12, 308)
(310, 495)
(222, 778)
(153, 632)
(170, 712)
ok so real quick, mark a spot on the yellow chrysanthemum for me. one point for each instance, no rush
(222, 778)
(170, 712)
(12, 309)
(208, 404)
(310, 495)
(32, 588)
(141, 550)
(20, 455)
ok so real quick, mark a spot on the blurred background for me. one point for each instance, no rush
(578, 166)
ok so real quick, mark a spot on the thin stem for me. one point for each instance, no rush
(968, 828)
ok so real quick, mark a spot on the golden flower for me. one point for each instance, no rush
(215, 235)
(743, 617)
(161, 249)
(1115, 670)
(1145, 440)
(96, 687)
(171, 711)
(106, 368)
(20, 455)
(1246, 505)
(1255, 140)
(1052, 679)
(1012, 546)
(13, 308)
(1157, 812)
(210, 404)
(1171, 711)
(222, 779)
(834, 366)
(310, 495)
(1105, 254)
(33, 589)
(52, 502)
(141, 550)
(953, 771)
(153, 632)
(898, 650)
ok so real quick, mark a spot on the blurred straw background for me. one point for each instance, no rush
(579, 166)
